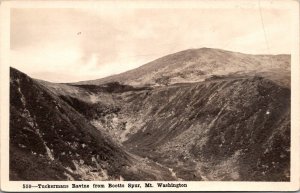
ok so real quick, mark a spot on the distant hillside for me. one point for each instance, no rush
(198, 64)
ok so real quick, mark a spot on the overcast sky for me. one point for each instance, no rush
(67, 45)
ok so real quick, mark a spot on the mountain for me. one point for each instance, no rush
(196, 65)
(212, 126)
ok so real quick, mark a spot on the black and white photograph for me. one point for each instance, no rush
(149, 95)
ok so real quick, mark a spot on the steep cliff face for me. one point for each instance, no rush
(228, 121)
(50, 140)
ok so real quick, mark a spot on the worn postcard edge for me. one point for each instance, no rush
(293, 5)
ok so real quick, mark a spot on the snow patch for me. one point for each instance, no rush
(93, 98)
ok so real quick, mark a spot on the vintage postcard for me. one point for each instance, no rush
(164, 95)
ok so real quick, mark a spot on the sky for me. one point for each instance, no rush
(69, 45)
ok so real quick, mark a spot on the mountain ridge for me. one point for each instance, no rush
(194, 65)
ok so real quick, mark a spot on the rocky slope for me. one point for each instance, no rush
(228, 126)
(228, 129)
(50, 140)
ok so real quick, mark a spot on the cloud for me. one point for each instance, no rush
(81, 44)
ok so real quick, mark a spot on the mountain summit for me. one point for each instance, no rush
(195, 65)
